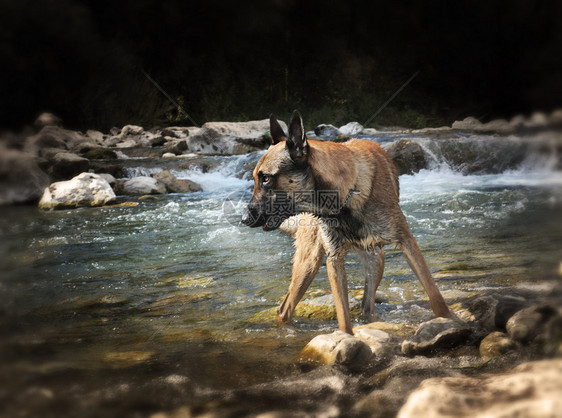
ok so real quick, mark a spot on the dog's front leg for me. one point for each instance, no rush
(338, 282)
(372, 260)
(308, 258)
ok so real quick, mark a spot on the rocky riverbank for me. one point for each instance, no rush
(50, 153)
(501, 357)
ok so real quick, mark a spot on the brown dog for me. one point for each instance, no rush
(332, 197)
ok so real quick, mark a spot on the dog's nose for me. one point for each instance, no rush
(247, 218)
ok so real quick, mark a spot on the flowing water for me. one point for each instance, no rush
(128, 310)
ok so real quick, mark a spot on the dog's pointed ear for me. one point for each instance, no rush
(276, 131)
(296, 142)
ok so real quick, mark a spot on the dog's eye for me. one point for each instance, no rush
(266, 180)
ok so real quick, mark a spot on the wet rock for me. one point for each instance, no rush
(86, 189)
(326, 131)
(350, 129)
(138, 186)
(203, 164)
(21, 179)
(158, 141)
(109, 178)
(116, 170)
(378, 341)
(436, 335)
(337, 348)
(100, 153)
(175, 185)
(496, 344)
(539, 323)
(56, 137)
(490, 311)
(323, 307)
(230, 137)
(396, 330)
(529, 390)
(66, 165)
(408, 156)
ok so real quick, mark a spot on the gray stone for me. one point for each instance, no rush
(529, 390)
(378, 341)
(351, 128)
(536, 323)
(86, 189)
(326, 131)
(230, 137)
(435, 335)
(139, 186)
(469, 123)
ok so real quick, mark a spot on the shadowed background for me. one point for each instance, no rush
(336, 61)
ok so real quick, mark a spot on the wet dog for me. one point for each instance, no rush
(333, 197)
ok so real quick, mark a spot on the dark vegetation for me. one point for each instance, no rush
(236, 60)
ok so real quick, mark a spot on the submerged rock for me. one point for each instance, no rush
(436, 335)
(86, 189)
(529, 390)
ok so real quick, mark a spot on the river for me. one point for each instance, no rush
(124, 311)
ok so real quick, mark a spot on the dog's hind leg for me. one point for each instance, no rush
(372, 260)
(416, 261)
(335, 264)
(308, 258)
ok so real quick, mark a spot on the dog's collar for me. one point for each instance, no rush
(351, 192)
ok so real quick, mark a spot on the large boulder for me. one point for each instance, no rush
(138, 186)
(175, 185)
(21, 179)
(529, 390)
(408, 156)
(86, 189)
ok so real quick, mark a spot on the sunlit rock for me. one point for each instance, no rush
(86, 189)
(529, 390)
(337, 348)
(408, 156)
(351, 128)
(138, 186)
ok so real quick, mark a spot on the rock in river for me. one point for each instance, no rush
(175, 185)
(139, 186)
(86, 189)
(435, 335)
